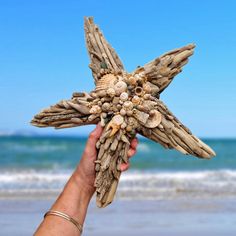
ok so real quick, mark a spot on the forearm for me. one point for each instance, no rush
(73, 201)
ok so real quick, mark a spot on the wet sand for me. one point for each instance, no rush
(140, 217)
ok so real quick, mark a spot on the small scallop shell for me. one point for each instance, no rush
(124, 96)
(106, 82)
(95, 109)
(120, 87)
(136, 100)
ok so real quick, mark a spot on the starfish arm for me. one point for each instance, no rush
(67, 113)
(163, 69)
(171, 133)
(102, 55)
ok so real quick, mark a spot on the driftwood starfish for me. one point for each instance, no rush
(125, 104)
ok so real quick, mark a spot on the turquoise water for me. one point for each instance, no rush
(64, 153)
(38, 165)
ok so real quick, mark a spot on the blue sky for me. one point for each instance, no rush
(43, 57)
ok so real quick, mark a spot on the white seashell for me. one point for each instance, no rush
(129, 112)
(115, 124)
(124, 96)
(123, 112)
(120, 87)
(136, 100)
(111, 92)
(106, 106)
(128, 105)
(95, 109)
(117, 119)
(154, 119)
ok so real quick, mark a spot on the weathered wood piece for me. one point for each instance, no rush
(125, 104)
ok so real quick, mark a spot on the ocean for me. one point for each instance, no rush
(40, 166)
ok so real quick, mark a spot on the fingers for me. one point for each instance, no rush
(124, 166)
(133, 145)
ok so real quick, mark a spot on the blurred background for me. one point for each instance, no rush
(43, 59)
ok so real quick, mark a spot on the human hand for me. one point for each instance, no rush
(85, 171)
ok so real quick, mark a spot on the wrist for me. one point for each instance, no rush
(80, 180)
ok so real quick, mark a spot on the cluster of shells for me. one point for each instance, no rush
(125, 100)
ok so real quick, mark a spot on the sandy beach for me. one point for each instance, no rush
(20, 217)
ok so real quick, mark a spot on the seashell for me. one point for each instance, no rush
(132, 80)
(138, 90)
(129, 112)
(111, 92)
(146, 96)
(95, 109)
(115, 124)
(115, 100)
(123, 112)
(132, 121)
(147, 88)
(150, 105)
(124, 96)
(154, 119)
(154, 88)
(141, 116)
(119, 106)
(128, 105)
(120, 87)
(117, 119)
(136, 100)
(106, 106)
(107, 81)
(104, 115)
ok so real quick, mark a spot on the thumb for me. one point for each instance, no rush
(93, 138)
